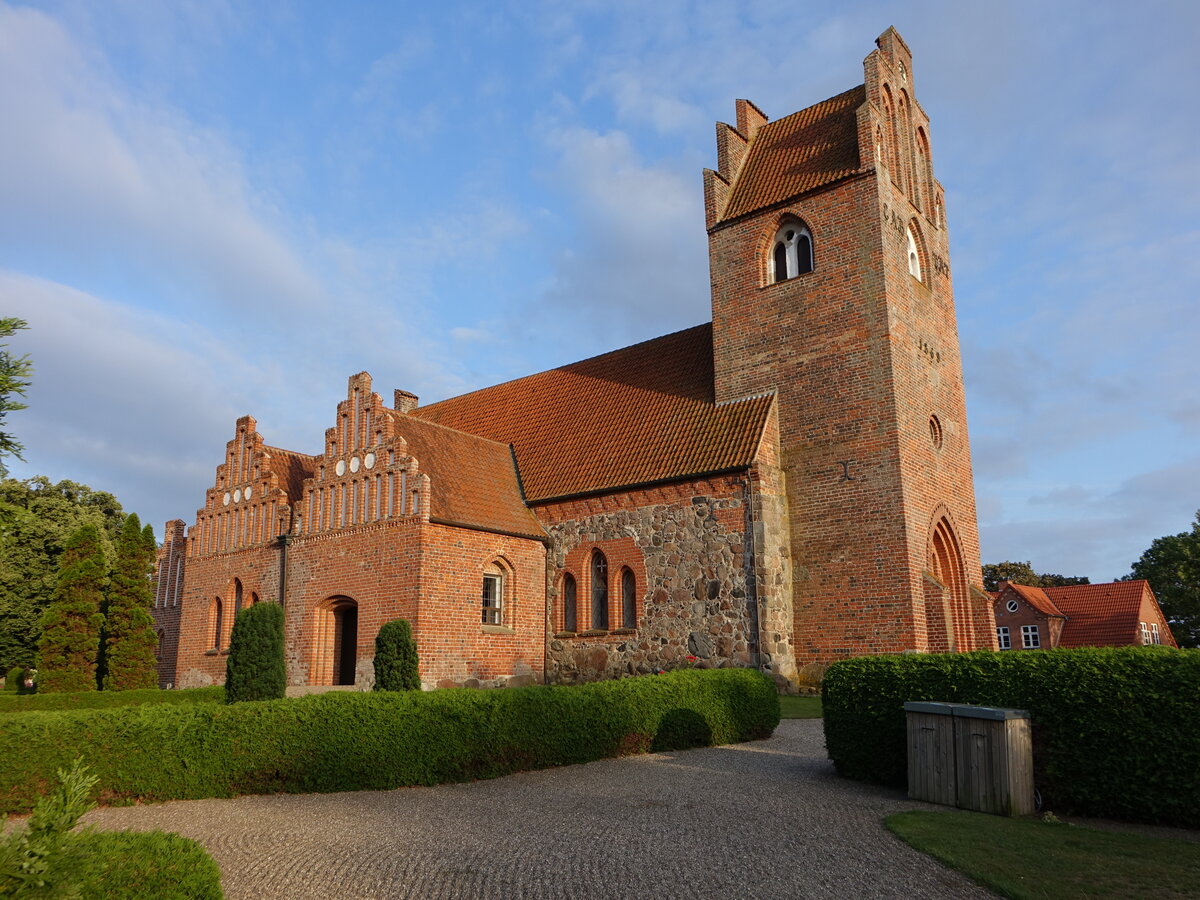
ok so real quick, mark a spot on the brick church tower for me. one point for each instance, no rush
(831, 286)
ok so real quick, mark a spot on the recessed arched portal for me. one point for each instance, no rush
(335, 654)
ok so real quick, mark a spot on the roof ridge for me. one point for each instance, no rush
(577, 362)
(268, 447)
(811, 106)
(401, 417)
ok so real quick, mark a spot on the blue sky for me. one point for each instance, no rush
(212, 209)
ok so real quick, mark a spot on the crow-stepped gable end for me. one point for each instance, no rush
(787, 485)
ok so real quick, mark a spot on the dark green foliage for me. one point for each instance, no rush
(129, 628)
(14, 379)
(1116, 730)
(108, 700)
(36, 520)
(396, 658)
(1022, 573)
(376, 741)
(12, 679)
(256, 669)
(70, 639)
(1172, 566)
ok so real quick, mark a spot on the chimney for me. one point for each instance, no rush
(405, 401)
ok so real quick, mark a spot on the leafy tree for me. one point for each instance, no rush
(36, 520)
(1172, 566)
(396, 658)
(1022, 573)
(14, 379)
(255, 669)
(130, 638)
(70, 639)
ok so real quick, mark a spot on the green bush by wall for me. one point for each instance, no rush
(107, 699)
(255, 669)
(12, 679)
(372, 741)
(1116, 730)
(396, 667)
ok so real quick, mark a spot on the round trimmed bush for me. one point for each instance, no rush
(396, 658)
(255, 669)
(12, 680)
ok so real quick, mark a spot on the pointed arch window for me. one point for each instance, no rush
(628, 600)
(914, 256)
(237, 596)
(791, 252)
(570, 608)
(599, 591)
(217, 623)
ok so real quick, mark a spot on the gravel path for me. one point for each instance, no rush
(765, 819)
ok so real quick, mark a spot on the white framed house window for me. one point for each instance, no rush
(1154, 635)
(1004, 638)
(1145, 633)
(1030, 638)
(493, 598)
(1012, 606)
(791, 252)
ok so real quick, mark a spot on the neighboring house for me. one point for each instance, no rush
(1117, 614)
(788, 484)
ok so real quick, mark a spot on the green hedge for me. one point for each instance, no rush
(1116, 731)
(107, 699)
(362, 741)
(127, 865)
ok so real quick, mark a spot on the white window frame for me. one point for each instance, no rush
(1031, 637)
(1003, 638)
(1012, 606)
(791, 244)
(1145, 633)
(1154, 633)
(914, 256)
(493, 599)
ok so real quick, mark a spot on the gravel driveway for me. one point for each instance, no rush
(765, 819)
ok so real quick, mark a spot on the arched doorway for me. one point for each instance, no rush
(335, 654)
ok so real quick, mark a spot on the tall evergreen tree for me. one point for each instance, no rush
(130, 639)
(70, 639)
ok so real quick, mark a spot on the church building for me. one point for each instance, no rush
(784, 486)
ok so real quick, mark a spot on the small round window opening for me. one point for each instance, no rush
(1012, 606)
(935, 431)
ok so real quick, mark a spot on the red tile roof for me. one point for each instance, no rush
(798, 153)
(1036, 598)
(292, 468)
(473, 481)
(1101, 615)
(640, 414)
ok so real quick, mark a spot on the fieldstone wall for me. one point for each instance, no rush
(696, 600)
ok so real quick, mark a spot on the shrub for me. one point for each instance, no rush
(129, 662)
(12, 679)
(108, 699)
(378, 741)
(396, 658)
(70, 639)
(255, 669)
(1116, 731)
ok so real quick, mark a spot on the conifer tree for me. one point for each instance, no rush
(255, 669)
(396, 667)
(70, 639)
(129, 651)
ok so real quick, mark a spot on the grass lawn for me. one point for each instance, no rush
(1028, 858)
(800, 707)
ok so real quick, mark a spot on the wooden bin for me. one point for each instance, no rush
(972, 757)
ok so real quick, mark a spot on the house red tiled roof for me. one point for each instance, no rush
(291, 468)
(1101, 615)
(640, 414)
(473, 480)
(797, 153)
(1036, 597)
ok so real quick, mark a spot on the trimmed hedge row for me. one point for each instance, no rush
(370, 741)
(106, 699)
(1116, 731)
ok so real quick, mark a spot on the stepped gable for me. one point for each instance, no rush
(633, 416)
(291, 468)
(798, 153)
(1100, 615)
(473, 480)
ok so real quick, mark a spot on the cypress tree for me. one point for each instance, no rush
(255, 669)
(396, 658)
(70, 639)
(131, 641)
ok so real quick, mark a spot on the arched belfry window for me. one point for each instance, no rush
(599, 591)
(791, 252)
(914, 256)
